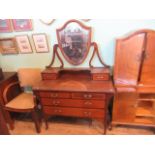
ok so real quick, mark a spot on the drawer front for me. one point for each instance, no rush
(73, 103)
(55, 94)
(49, 76)
(89, 96)
(75, 112)
(101, 77)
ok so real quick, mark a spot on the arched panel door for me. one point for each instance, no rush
(148, 67)
(128, 57)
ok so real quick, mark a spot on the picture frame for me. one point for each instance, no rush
(8, 46)
(47, 21)
(5, 25)
(24, 45)
(40, 42)
(86, 20)
(22, 24)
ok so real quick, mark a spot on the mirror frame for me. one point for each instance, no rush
(88, 41)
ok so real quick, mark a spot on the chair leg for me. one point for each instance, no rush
(46, 121)
(9, 120)
(36, 120)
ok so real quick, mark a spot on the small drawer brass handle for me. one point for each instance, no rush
(54, 95)
(87, 113)
(56, 103)
(88, 103)
(87, 96)
(58, 111)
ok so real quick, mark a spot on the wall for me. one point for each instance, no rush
(104, 33)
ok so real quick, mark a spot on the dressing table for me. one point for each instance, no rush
(75, 92)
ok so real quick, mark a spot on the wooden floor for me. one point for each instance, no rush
(74, 126)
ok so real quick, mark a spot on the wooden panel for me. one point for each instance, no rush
(54, 94)
(89, 95)
(124, 107)
(75, 112)
(148, 68)
(128, 59)
(73, 103)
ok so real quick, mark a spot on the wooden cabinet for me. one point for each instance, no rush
(134, 78)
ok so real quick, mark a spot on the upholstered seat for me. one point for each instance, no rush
(22, 101)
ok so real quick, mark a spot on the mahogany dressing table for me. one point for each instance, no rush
(75, 92)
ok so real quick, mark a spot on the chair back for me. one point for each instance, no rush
(28, 77)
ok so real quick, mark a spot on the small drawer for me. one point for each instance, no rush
(101, 77)
(75, 112)
(97, 104)
(46, 76)
(55, 94)
(89, 96)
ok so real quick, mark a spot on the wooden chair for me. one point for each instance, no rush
(17, 100)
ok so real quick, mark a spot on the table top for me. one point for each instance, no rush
(75, 86)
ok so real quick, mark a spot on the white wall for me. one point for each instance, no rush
(104, 33)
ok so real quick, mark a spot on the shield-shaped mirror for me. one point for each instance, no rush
(74, 40)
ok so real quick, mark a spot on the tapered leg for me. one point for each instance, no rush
(36, 121)
(46, 121)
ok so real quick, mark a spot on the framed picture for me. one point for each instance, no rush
(23, 43)
(40, 42)
(5, 25)
(22, 24)
(8, 46)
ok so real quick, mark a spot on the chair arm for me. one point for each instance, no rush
(7, 90)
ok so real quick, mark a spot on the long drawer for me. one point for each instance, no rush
(75, 112)
(89, 96)
(73, 103)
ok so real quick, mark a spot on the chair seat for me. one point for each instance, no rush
(22, 101)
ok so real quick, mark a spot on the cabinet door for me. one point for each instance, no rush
(128, 59)
(124, 107)
(148, 67)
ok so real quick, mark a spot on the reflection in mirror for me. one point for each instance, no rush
(74, 41)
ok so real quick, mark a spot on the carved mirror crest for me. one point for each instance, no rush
(74, 40)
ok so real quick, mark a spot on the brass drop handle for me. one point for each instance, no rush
(88, 96)
(87, 113)
(56, 103)
(100, 76)
(88, 103)
(54, 95)
(57, 111)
